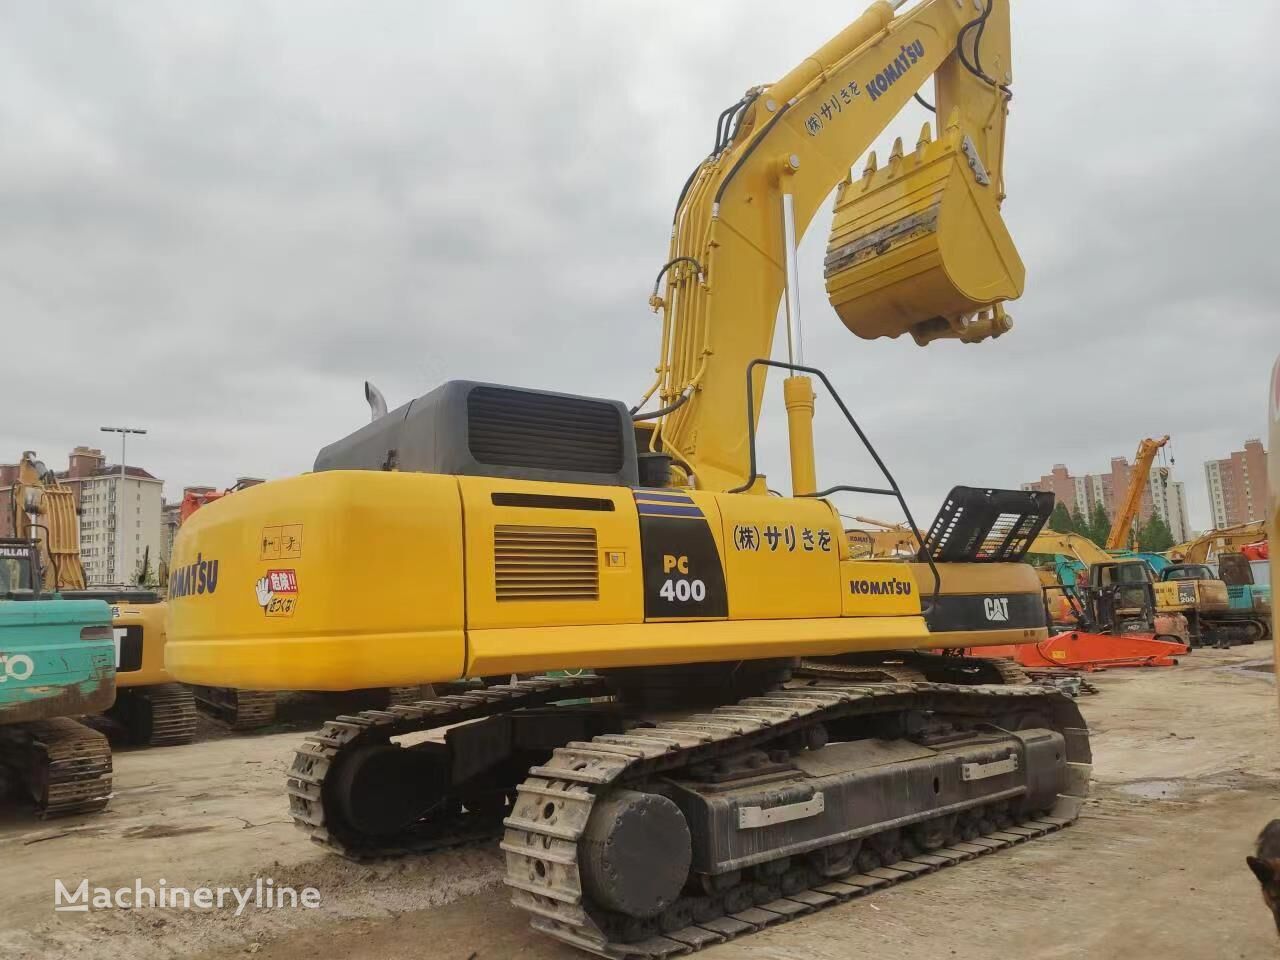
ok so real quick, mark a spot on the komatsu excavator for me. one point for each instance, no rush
(760, 733)
(149, 706)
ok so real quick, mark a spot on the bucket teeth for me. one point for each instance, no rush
(872, 165)
(895, 155)
(926, 136)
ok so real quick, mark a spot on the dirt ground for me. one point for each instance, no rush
(1186, 768)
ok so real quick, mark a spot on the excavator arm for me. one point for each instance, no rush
(918, 245)
(1070, 545)
(1138, 477)
(1219, 541)
(44, 510)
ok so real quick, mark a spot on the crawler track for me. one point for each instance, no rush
(550, 817)
(238, 709)
(160, 716)
(65, 766)
(317, 760)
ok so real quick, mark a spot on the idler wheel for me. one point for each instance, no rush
(635, 853)
(382, 788)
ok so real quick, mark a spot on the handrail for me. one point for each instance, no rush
(893, 490)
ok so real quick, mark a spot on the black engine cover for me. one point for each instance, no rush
(482, 429)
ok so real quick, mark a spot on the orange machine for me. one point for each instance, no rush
(193, 500)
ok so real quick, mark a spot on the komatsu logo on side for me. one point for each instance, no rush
(996, 608)
(881, 588)
(194, 578)
(904, 61)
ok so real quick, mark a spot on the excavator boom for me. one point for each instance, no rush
(1208, 545)
(918, 245)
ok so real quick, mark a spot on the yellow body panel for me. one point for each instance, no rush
(634, 645)
(378, 594)
(782, 558)
(527, 534)
(352, 579)
(878, 588)
(1207, 596)
(151, 618)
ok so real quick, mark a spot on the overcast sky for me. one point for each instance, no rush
(216, 220)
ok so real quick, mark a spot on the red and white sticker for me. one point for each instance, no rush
(277, 592)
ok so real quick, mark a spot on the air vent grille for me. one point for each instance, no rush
(518, 428)
(545, 563)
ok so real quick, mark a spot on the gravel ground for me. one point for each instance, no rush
(1186, 772)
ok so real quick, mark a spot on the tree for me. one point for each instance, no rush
(1060, 519)
(1099, 525)
(1078, 523)
(143, 577)
(1154, 536)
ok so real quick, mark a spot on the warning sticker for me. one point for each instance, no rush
(283, 542)
(277, 592)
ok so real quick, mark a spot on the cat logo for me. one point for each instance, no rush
(996, 608)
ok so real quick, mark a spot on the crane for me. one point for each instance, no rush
(724, 745)
(1138, 477)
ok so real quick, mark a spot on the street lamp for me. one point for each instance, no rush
(124, 438)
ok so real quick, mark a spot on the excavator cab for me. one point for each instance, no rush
(1121, 596)
(919, 246)
(18, 569)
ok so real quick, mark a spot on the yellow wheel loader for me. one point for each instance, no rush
(763, 726)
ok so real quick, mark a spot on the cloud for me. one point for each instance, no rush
(220, 219)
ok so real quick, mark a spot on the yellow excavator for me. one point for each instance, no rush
(879, 538)
(758, 730)
(149, 706)
(1210, 545)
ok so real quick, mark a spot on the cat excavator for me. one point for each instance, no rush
(755, 728)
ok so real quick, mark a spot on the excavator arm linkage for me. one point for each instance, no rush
(917, 245)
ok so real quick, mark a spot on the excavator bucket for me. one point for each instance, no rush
(920, 247)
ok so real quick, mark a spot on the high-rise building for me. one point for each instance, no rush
(1168, 501)
(110, 553)
(1163, 497)
(1237, 485)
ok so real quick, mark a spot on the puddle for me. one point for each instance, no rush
(1251, 668)
(1153, 789)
